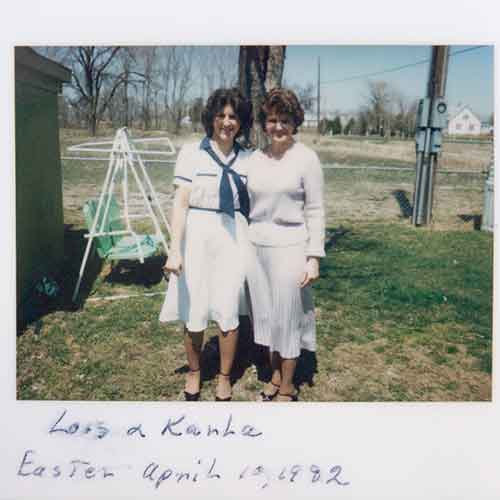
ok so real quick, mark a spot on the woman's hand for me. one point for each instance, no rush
(311, 271)
(174, 264)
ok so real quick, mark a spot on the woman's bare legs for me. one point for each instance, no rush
(227, 347)
(272, 387)
(192, 343)
(287, 371)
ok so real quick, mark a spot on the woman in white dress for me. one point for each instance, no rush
(209, 237)
(287, 226)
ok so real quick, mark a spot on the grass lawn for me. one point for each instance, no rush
(403, 313)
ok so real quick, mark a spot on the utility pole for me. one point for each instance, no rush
(431, 119)
(318, 99)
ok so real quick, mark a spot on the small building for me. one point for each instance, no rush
(39, 204)
(186, 121)
(311, 117)
(462, 121)
(487, 129)
(310, 120)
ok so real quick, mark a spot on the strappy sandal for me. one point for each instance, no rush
(269, 397)
(227, 375)
(291, 397)
(188, 396)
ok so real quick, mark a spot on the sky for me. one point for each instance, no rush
(470, 74)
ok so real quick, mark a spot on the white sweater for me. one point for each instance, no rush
(287, 200)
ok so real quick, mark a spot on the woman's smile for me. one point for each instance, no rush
(226, 125)
(280, 128)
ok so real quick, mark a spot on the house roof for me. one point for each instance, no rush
(28, 64)
(454, 112)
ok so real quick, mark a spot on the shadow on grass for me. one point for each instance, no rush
(248, 354)
(134, 273)
(475, 218)
(404, 203)
(37, 305)
(334, 235)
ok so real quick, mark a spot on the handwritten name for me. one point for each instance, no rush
(177, 427)
(34, 466)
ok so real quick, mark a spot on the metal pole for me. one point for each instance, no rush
(427, 152)
(437, 88)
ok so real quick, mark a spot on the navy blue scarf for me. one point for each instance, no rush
(225, 191)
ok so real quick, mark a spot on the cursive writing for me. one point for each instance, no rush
(72, 469)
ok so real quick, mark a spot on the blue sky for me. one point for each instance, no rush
(470, 74)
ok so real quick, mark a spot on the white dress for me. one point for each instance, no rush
(287, 224)
(215, 247)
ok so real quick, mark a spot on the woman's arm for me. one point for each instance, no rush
(314, 214)
(178, 225)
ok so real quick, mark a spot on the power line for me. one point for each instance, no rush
(398, 68)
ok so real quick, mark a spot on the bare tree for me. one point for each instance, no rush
(306, 95)
(146, 59)
(404, 114)
(94, 81)
(176, 65)
(362, 126)
(378, 100)
(217, 67)
(195, 111)
(132, 78)
(260, 70)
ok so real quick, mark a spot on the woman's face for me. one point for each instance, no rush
(279, 127)
(226, 125)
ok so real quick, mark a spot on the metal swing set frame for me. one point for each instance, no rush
(125, 159)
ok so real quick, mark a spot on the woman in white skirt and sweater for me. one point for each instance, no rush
(287, 226)
(209, 243)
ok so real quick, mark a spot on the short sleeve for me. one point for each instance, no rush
(184, 167)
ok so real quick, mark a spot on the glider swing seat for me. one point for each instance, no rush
(111, 227)
(112, 244)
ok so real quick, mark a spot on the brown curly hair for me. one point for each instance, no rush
(282, 101)
(216, 103)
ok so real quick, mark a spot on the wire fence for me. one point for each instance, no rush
(365, 180)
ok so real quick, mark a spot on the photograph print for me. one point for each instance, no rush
(254, 223)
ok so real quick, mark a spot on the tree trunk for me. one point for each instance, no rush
(260, 70)
(125, 103)
(92, 125)
(92, 117)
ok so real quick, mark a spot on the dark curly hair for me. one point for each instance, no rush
(282, 101)
(215, 104)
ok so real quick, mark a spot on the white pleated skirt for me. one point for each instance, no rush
(211, 286)
(282, 312)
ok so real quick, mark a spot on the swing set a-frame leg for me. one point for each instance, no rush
(82, 268)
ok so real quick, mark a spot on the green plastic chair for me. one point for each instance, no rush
(117, 246)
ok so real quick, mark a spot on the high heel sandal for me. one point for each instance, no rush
(291, 397)
(188, 396)
(227, 375)
(269, 397)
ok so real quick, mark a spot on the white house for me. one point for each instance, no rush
(311, 117)
(186, 121)
(462, 121)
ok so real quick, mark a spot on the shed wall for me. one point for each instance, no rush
(39, 207)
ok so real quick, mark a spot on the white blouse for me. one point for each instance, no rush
(287, 200)
(194, 167)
